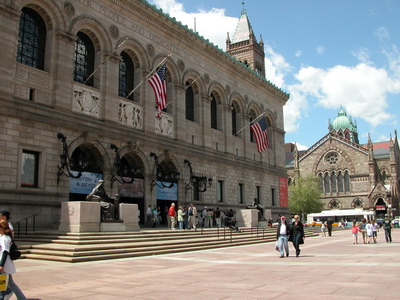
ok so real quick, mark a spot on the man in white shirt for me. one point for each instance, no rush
(282, 235)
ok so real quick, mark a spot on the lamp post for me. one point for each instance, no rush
(163, 174)
(67, 163)
(197, 183)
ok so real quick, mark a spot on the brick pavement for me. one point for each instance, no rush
(328, 268)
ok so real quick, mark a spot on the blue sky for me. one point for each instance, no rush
(326, 54)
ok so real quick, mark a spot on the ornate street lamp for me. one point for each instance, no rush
(122, 169)
(163, 174)
(197, 183)
(68, 163)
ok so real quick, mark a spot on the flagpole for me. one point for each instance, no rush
(107, 58)
(148, 75)
(251, 122)
(169, 102)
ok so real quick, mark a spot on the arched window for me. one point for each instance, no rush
(327, 184)
(84, 59)
(340, 183)
(333, 181)
(321, 182)
(189, 102)
(252, 117)
(31, 39)
(234, 128)
(214, 118)
(346, 182)
(126, 76)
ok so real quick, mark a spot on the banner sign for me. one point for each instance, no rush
(167, 193)
(131, 190)
(283, 192)
(85, 183)
(380, 207)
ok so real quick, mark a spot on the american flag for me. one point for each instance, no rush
(260, 133)
(158, 83)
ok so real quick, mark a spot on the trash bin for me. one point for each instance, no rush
(396, 224)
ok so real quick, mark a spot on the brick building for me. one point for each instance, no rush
(67, 72)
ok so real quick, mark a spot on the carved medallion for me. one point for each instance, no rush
(181, 65)
(206, 78)
(151, 50)
(228, 90)
(69, 9)
(114, 31)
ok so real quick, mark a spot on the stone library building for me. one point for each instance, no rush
(77, 110)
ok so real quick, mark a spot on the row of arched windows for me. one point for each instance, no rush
(31, 52)
(335, 182)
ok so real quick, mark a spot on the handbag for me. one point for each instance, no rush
(3, 282)
(14, 252)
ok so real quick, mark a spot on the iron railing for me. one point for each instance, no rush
(17, 226)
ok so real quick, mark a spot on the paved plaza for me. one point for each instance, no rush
(328, 268)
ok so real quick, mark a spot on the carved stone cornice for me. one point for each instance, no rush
(64, 35)
(9, 12)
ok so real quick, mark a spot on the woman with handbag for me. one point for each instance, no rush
(297, 234)
(6, 264)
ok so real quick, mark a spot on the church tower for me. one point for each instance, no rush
(244, 45)
(344, 126)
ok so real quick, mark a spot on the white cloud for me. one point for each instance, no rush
(382, 33)
(362, 90)
(301, 147)
(276, 66)
(205, 21)
(320, 49)
(363, 55)
(298, 53)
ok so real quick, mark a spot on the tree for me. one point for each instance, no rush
(304, 196)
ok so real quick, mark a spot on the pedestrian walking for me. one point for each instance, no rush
(149, 214)
(355, 229)
(323, 229)
(6, 264)
(329, 225)
(209, 218)
(375, 229)
(368, 227)
(217, 215)
(297, 234)
(387, 226)
(362, 225)
(282, 235)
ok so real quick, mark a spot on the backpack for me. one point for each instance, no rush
(14, 252)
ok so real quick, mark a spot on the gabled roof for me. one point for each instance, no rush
(243, 29)
(381, 149)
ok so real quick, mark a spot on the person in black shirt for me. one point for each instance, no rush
(297, 234)
(329, 224)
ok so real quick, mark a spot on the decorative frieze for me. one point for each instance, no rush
(130, 114)
(33, 76)
(165, 125)
(86, 101)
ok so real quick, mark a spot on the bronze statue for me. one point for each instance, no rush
(109, 205)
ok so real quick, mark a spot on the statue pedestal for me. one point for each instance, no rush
(80, 216)
(84, 216)
(247, 218)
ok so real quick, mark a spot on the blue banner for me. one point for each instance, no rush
(165, 193)
(85, 183)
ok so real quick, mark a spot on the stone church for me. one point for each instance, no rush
(76, 108)
(352, 175)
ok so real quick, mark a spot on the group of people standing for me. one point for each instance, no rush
(286, 232)
(369, 230)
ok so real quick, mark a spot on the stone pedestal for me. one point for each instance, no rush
(267, 214)
(129, 214)
(247, 218)
(80, 216)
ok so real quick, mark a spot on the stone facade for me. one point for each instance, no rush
(351, 175)
(37, 104)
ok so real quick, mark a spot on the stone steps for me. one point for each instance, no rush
(79, 247)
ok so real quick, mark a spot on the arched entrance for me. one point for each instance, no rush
(380, 208)
(130, 180)
(87, 160)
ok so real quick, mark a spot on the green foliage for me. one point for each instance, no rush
(304, 196)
